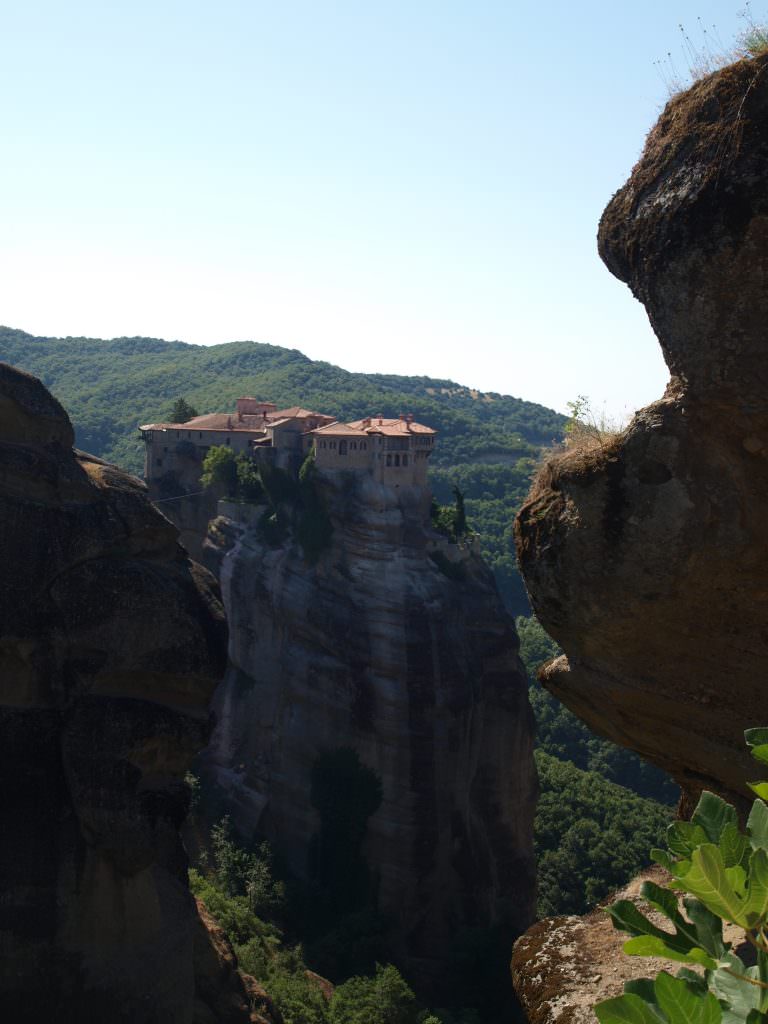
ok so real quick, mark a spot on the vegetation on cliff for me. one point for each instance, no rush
(284, 931)
(488, 443)
(724, 873)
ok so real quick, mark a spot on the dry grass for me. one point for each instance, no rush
(591, 439)
(706, 53)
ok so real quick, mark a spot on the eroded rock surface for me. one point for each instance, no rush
(562, 966)
(394, 643)
(111, 645)
(645, 556)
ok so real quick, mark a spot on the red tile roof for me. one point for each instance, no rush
(381, 425)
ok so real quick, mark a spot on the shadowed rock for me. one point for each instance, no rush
(394, 643)
(646, 556)
(111, 644)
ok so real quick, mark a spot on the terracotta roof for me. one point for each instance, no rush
(338, 429)
(296, 412)
(225, 422)
(390, 427)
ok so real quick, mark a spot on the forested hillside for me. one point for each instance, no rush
(601, 807)
(487, 445)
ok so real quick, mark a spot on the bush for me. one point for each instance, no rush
(383, 999)
(724, 872)
(220, 470)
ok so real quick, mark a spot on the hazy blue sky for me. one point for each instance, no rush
(409, 187)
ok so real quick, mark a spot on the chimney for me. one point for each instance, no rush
(381, 418)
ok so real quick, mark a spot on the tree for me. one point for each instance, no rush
(182, 411)
(220, 470)
(249, 486)
(460, 516)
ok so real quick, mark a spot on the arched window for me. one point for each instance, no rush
(397, 460)
(389, 459)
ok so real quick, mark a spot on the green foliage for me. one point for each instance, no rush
(383, 999)
(249, 487)
(723, 872)
(563, 735)
(242, 873)
(240, 890)
(220, 470)
(488, 444)
(295, 506)
(591, 836)
(314, 529)
(590, 789)
(450, 520)
(182, 411)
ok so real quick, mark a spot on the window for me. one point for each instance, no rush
(397, 460)
(363, 445)
(405, 460)
(227, 441)
(353, 446)
(158, 462)
(342, 447)
(323, 444)
(200, 435)
(165, 450)
(389, 459)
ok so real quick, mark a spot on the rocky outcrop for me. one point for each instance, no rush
(112, 643)
(645, 554)
(394, 643)
(562, 966)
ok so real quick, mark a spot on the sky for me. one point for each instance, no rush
(406, 187)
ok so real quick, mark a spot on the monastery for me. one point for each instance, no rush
(392, 451)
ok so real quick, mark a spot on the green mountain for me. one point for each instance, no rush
(488, 443)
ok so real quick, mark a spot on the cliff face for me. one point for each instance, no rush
(112, 643)
(646, 556)
(413, 665)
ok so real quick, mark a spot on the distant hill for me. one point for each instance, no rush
(488, 442)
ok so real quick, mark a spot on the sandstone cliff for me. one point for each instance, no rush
(646, 556)
(393, 643)
(111, 645)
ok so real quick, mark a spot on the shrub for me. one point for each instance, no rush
(588, 431)
(383, 999)
(724, 873)
(220, 470)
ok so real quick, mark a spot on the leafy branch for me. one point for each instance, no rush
(723, 873)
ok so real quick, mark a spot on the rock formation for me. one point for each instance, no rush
(394, 643)
(645, 554)
(111, 645)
